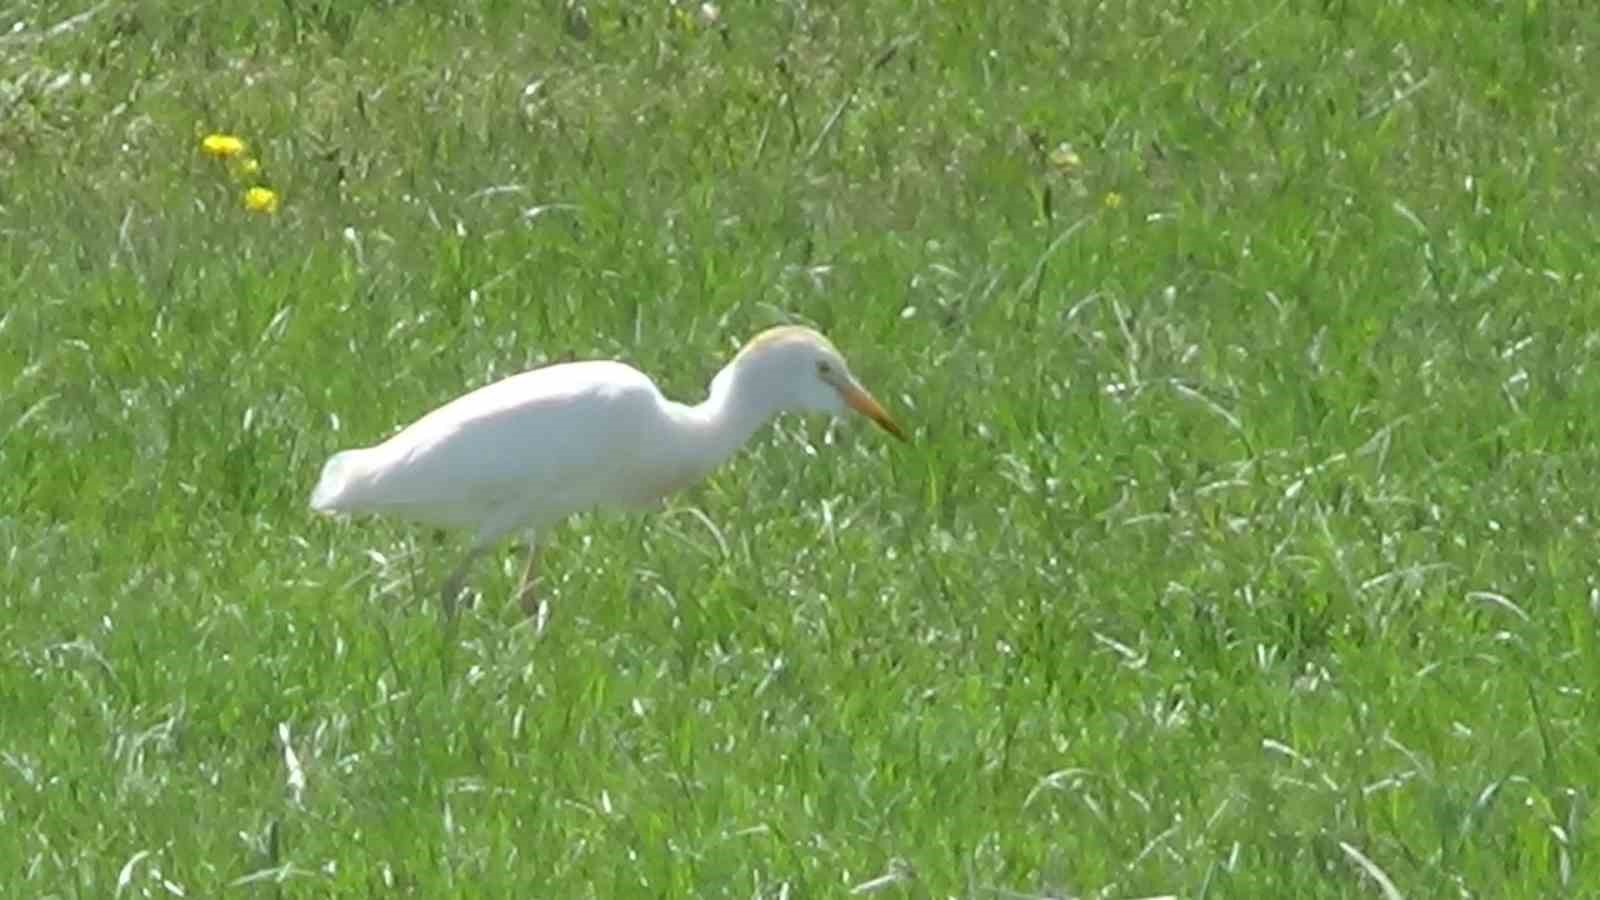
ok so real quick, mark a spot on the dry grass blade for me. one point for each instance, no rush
(1370, 868)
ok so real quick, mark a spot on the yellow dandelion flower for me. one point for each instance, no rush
(261, 200)
(221, 146)
(1113, 200)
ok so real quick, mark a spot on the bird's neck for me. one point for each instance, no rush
(732, 411)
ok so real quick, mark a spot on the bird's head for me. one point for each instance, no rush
(811, 374)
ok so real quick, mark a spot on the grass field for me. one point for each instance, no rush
(1246, 546)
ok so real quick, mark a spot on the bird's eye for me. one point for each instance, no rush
(823, 368)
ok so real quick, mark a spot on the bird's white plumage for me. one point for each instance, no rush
(522, 452)
(527, 451)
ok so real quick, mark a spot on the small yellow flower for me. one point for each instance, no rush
(261, 200)
(221, 146)
(248, 166)
(1113, 200)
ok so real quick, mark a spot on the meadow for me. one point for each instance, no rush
(1245, 546)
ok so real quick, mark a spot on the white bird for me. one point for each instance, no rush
(530, 450)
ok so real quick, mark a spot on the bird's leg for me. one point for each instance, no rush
(526, 595)
(453, 585)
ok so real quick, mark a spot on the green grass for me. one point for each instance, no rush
(1247, 545)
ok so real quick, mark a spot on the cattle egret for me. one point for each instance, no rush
(530, 450)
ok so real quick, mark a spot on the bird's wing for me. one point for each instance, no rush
(539, 438)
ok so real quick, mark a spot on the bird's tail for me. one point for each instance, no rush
(340, 476)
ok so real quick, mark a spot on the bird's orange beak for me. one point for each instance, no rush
(864, 403)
